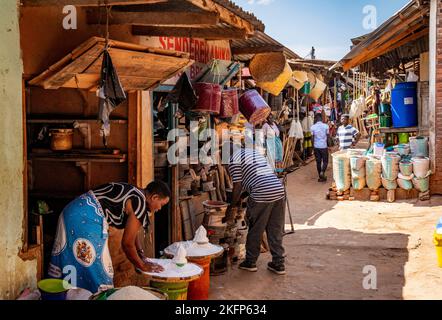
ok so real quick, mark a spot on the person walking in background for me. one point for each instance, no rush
(347, 134)
(320, 132)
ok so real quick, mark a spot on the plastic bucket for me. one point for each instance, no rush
(199, 289)
(402, 149)
(404, 138)
(254, 107)
(385, 121)
(419, 146)
(438, 244)
(404, 105)
(421, 166)
(53, 289)
(174, 290)
(379, 149)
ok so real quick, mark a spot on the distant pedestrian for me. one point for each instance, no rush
(321, 133)
(347, 134)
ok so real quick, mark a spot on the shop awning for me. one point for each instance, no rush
(138, 67)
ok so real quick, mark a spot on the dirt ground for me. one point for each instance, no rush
(335, 241)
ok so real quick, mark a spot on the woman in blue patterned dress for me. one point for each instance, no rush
(81, 252)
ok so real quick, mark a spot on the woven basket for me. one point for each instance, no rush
(267, 67)
(312, 79)
(299, 78)
(275, 87)
(318, 90)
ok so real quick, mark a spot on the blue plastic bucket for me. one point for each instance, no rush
(404, 105)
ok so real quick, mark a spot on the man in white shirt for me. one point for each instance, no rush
(320, 132)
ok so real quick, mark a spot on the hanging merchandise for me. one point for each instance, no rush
(318, 89)
(209, 94)
(110, 93)
(253, 107)
(209, 98)
(229, 103)
(299, 78)
(183, 94)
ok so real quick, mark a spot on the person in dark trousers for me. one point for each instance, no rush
(321, 133)
(251, 172)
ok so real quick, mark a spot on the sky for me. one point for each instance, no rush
(328, 25)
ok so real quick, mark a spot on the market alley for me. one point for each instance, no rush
(335, 241)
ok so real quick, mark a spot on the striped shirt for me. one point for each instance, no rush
(346, 136)
(113, 198)
(252, 170)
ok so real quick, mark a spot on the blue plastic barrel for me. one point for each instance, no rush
(404, 105)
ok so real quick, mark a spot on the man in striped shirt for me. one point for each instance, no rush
(347, 134)
(251, 172)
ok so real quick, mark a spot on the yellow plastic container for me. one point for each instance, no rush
(438, 244)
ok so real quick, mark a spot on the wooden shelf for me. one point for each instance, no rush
(77, 157)
(399, 130)
(70, 121)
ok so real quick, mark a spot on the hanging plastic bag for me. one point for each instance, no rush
(183, 94)
(412, 77)
(110, 93)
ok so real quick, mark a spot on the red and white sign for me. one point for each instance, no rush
(200, 50)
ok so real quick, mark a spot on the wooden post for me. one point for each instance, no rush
(176, 221)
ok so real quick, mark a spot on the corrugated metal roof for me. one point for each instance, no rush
(259, 40)
(258, 24)
(412, 8)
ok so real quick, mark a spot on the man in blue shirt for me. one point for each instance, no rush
(321, 133)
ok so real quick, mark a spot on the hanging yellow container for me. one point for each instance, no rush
(275, 87)
(318, 89)
(268, 67)
(299, 78)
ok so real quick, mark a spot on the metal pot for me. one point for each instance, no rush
(61, 139)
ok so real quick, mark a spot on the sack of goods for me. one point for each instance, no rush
(421, 166)
(390, 166)
(419, 146)
(406, 168)
(341, 171)
(405, 182)
(374, 171)
(389, 184)
(422, 184)
(357, 165)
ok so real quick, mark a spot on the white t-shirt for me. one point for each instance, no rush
(320, 131)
